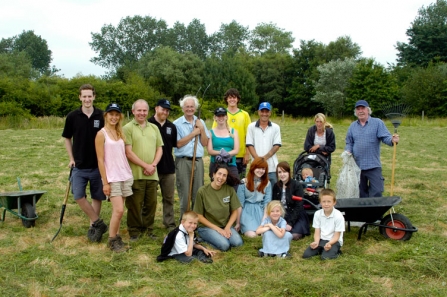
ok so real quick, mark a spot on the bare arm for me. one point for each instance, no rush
(316, 241)
(190, 244)
(69, 148)
(273, 151)
(99, 146)
(252, 151)
(185, 140)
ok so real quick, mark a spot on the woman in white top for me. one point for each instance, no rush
(320, 138)
(115, 171)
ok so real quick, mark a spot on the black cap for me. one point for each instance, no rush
(220, 111)
(164, 103)
(113, 106)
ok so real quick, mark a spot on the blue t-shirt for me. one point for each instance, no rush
(226, 143)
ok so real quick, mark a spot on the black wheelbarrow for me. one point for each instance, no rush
(24, 202)
(371, 212)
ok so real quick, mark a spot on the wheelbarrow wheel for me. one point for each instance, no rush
(400, 221)
(29, 212)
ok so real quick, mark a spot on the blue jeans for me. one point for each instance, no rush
(371, 183)
(218, 241)
(272, 178)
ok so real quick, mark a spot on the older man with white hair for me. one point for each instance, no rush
(188, 127)
(363, 141)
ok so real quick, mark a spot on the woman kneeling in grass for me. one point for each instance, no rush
(115, 171)
(217, 206)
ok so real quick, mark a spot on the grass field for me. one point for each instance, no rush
(373, 266)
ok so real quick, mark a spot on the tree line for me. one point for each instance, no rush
(145, 58)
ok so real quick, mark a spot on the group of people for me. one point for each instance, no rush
(126, 164)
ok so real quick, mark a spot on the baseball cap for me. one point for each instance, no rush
(265, 105)
(220, 111)
(164, 103)
(113, 106)
(361, 103)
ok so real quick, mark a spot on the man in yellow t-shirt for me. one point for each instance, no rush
(239, 120)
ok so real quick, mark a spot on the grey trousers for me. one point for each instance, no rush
(183, 168)
(167, 182)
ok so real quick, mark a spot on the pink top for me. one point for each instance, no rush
(115, 161)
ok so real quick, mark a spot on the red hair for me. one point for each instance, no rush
(257, 163)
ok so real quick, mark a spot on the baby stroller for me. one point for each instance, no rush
(320, 168)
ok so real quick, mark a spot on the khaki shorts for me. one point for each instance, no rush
(123, 189)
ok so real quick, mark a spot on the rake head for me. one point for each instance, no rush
(395, 112)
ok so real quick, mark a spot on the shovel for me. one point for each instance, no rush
(64, 204)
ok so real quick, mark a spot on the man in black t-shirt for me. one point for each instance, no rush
(81, 126)
(166, 166)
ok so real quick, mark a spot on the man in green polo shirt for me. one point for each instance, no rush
(144, 151)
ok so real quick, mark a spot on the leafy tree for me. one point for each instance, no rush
(171, 73)
(231, 71)
(33, 45)
(177, 38)
(269, 38)
(301, 90)
(426, 90)
(230, 38)
(198, 41)
(330, 88)
(16, 65)
(128, 42)
(370, 81)
(427, 37)
(342, 48)
(273, 74)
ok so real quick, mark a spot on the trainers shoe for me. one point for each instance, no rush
(99, 228)
(284, 255)
(134, 238)
(91, 233)
(116, 244)
(261, 254)
(151, 236)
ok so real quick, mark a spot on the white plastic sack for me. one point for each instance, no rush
(348, 178)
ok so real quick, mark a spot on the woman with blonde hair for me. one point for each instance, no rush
(116, 175)
(320, 138)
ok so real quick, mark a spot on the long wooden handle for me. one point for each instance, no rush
(393, 168)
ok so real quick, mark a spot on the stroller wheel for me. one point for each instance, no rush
(400, 221)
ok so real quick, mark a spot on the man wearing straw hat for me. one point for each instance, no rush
(363, 141)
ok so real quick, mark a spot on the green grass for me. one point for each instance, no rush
(373, 266)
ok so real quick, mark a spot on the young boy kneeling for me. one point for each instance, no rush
(329, 226)
(185, 249)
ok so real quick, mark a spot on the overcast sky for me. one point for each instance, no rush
(375, 25)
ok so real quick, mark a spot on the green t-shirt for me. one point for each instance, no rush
(144, 142)
(216, 205)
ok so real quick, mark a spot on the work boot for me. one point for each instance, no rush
(116, 244)
(97, 230)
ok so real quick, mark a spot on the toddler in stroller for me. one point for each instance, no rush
(317, 164)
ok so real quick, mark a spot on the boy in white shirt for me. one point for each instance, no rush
(185, 249)
(329, 226)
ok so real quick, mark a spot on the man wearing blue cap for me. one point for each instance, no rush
(264, 139)
(363, 141)
(166, 166)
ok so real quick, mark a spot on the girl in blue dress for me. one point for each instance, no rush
(254, 193)
(275, 239)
